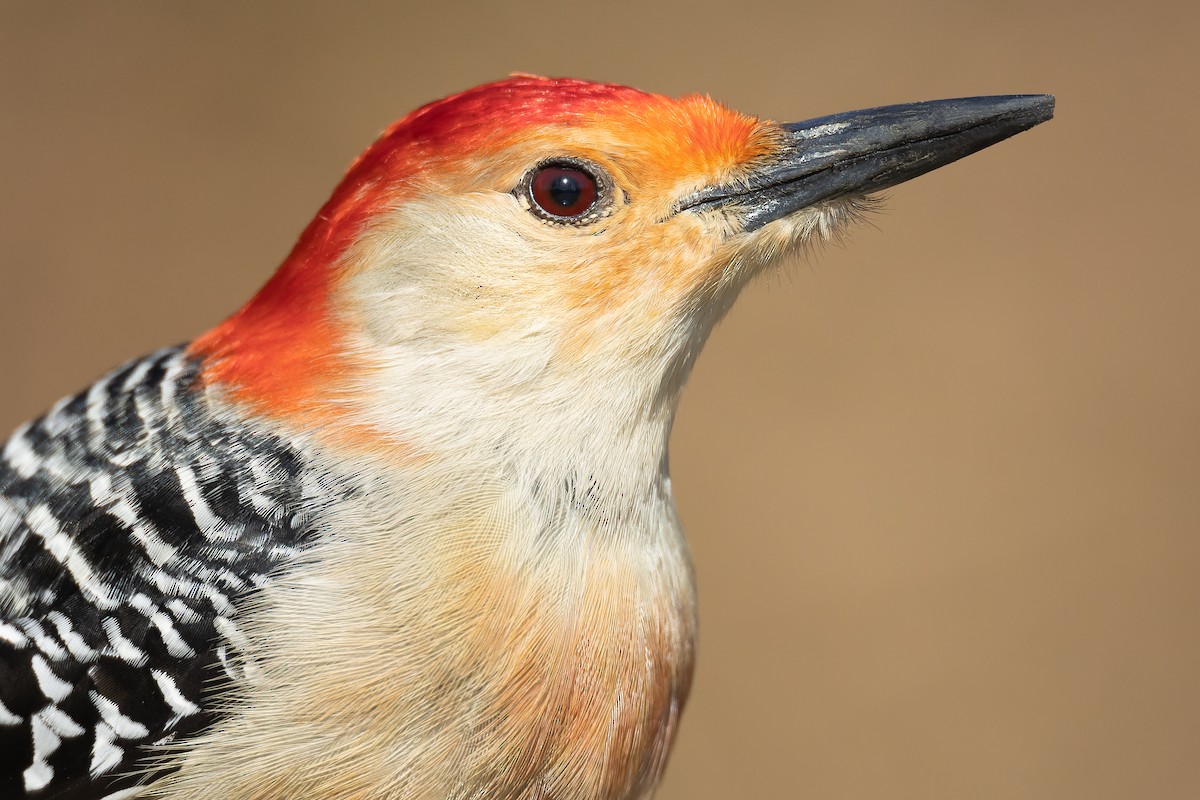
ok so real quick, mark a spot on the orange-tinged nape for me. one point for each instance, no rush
(286, 352)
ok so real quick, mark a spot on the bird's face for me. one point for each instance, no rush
(568, 228)
(552, 239)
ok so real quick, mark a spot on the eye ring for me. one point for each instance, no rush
(567, 191)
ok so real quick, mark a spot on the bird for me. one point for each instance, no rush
(402, 525)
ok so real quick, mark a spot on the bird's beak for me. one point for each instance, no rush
(865, 151)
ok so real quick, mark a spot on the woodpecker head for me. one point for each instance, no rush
(556, 250)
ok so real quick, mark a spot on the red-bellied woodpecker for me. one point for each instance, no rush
(401, 527)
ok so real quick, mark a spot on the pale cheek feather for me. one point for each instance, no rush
(443, 275)
(480, 268)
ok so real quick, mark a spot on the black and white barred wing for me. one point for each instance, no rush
(133, 520)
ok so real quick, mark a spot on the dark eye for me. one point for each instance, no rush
(563, 191)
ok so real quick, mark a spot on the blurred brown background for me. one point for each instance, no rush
(941, 483)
